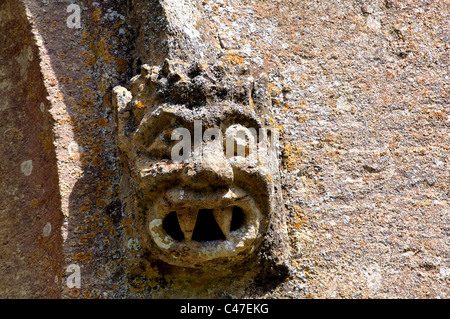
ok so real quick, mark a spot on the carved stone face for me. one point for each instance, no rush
(201, 170)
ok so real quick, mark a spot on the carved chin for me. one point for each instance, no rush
(194, 228)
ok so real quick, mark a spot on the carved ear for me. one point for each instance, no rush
(121, 99)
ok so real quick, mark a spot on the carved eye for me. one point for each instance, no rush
(240, 141)
(162, 145)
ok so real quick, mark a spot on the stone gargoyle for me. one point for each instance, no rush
(202, 165)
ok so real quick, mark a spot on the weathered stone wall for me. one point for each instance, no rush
(359, 91)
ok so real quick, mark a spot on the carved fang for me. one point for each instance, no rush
(187, 220)
(223, 219)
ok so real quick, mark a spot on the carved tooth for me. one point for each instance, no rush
(187, 220)
(223, 219)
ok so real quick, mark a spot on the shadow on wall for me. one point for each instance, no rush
(30, 215)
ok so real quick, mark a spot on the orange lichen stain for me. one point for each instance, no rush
(61, 55)
(68, 119)
(126, 223)
(434, 114)
(74, 293)
(140, 105)
(86, 237)
(129, 231)
(268, 178)
(109, 173)
(101, 203)
(52, 81)
(65, 80)
(88, 98)
(59, 96)
(232, 56)
(118, 24)
(151, 272)
(98, 161)
(111, 35)
(89, 295)
(273, 89)
(302, 117)
(83, 256)
(300, 219)
(122, 65)
(53, 27)
(70, 101)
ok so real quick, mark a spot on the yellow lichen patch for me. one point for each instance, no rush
(85, 237)
(46, 140)
(84, 209)
(84, 37)
(103, 51)
(108, 222)
(302, 117)
(291, 156)
(68, 119)
(34, 203)
(102, 85)
(84, 80)
(279, 128)
(97, 15)
(151, 272)
(90, 58)
(300, 219)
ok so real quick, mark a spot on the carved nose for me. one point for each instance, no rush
(209, 167)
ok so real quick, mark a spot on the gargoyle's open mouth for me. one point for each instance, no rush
(191, 228)
(204, 224)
